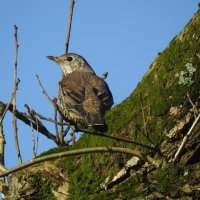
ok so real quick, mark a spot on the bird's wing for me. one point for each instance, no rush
(87, 95)
(72, 91)
(102, 91)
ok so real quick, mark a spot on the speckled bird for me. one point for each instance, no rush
(84, 96)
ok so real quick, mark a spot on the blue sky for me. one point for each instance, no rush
(122, 37)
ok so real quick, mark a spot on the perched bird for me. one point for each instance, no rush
(84, 96)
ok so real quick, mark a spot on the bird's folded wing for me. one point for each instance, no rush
(72, 95)
(102, 91)
(73, 89)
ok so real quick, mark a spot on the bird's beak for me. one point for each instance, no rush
(54, 58)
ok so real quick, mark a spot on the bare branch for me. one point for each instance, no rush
(33, 140)
(56, 108)
(38, 125)
(55, 118)
(151, 147)
(25, 118)
(37, 139)
(33, 112)
(185, 139)
(43, 90)
(14, 97)
(155, 163)
(72, 2)
(66, 131)
(194, 107)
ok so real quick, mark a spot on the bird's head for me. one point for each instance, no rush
(71, 62)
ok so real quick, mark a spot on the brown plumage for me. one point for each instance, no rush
(85, 98)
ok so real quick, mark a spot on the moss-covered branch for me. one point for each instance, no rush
(151, 147)
(80, 152)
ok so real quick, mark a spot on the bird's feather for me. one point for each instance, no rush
(87, 95)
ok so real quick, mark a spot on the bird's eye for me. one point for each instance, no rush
(69, 58)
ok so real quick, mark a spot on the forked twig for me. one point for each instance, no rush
(48, 119)
(194, 107)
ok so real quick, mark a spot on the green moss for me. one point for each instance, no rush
(159, 91)
(54, 150)
(167, 179)
(43, 188)
(126, 190)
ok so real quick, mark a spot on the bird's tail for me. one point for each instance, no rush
(94, 119)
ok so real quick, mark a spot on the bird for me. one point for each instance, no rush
(84, 96)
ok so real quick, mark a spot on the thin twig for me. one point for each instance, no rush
(151, 147)
(145, 122)
(14, 98)
(9, 102)
(66, 131)
(33, 112)
(37, 140)
(72, 2)
(43, 90)
(52, 101)
(185, 139)
(2, 148)
(37, 121)
(80, 152)
(194, 107)
(55, 118)
(73, 137)
(33, 140)
(143, 116)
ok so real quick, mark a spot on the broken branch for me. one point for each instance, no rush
(185, 139)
